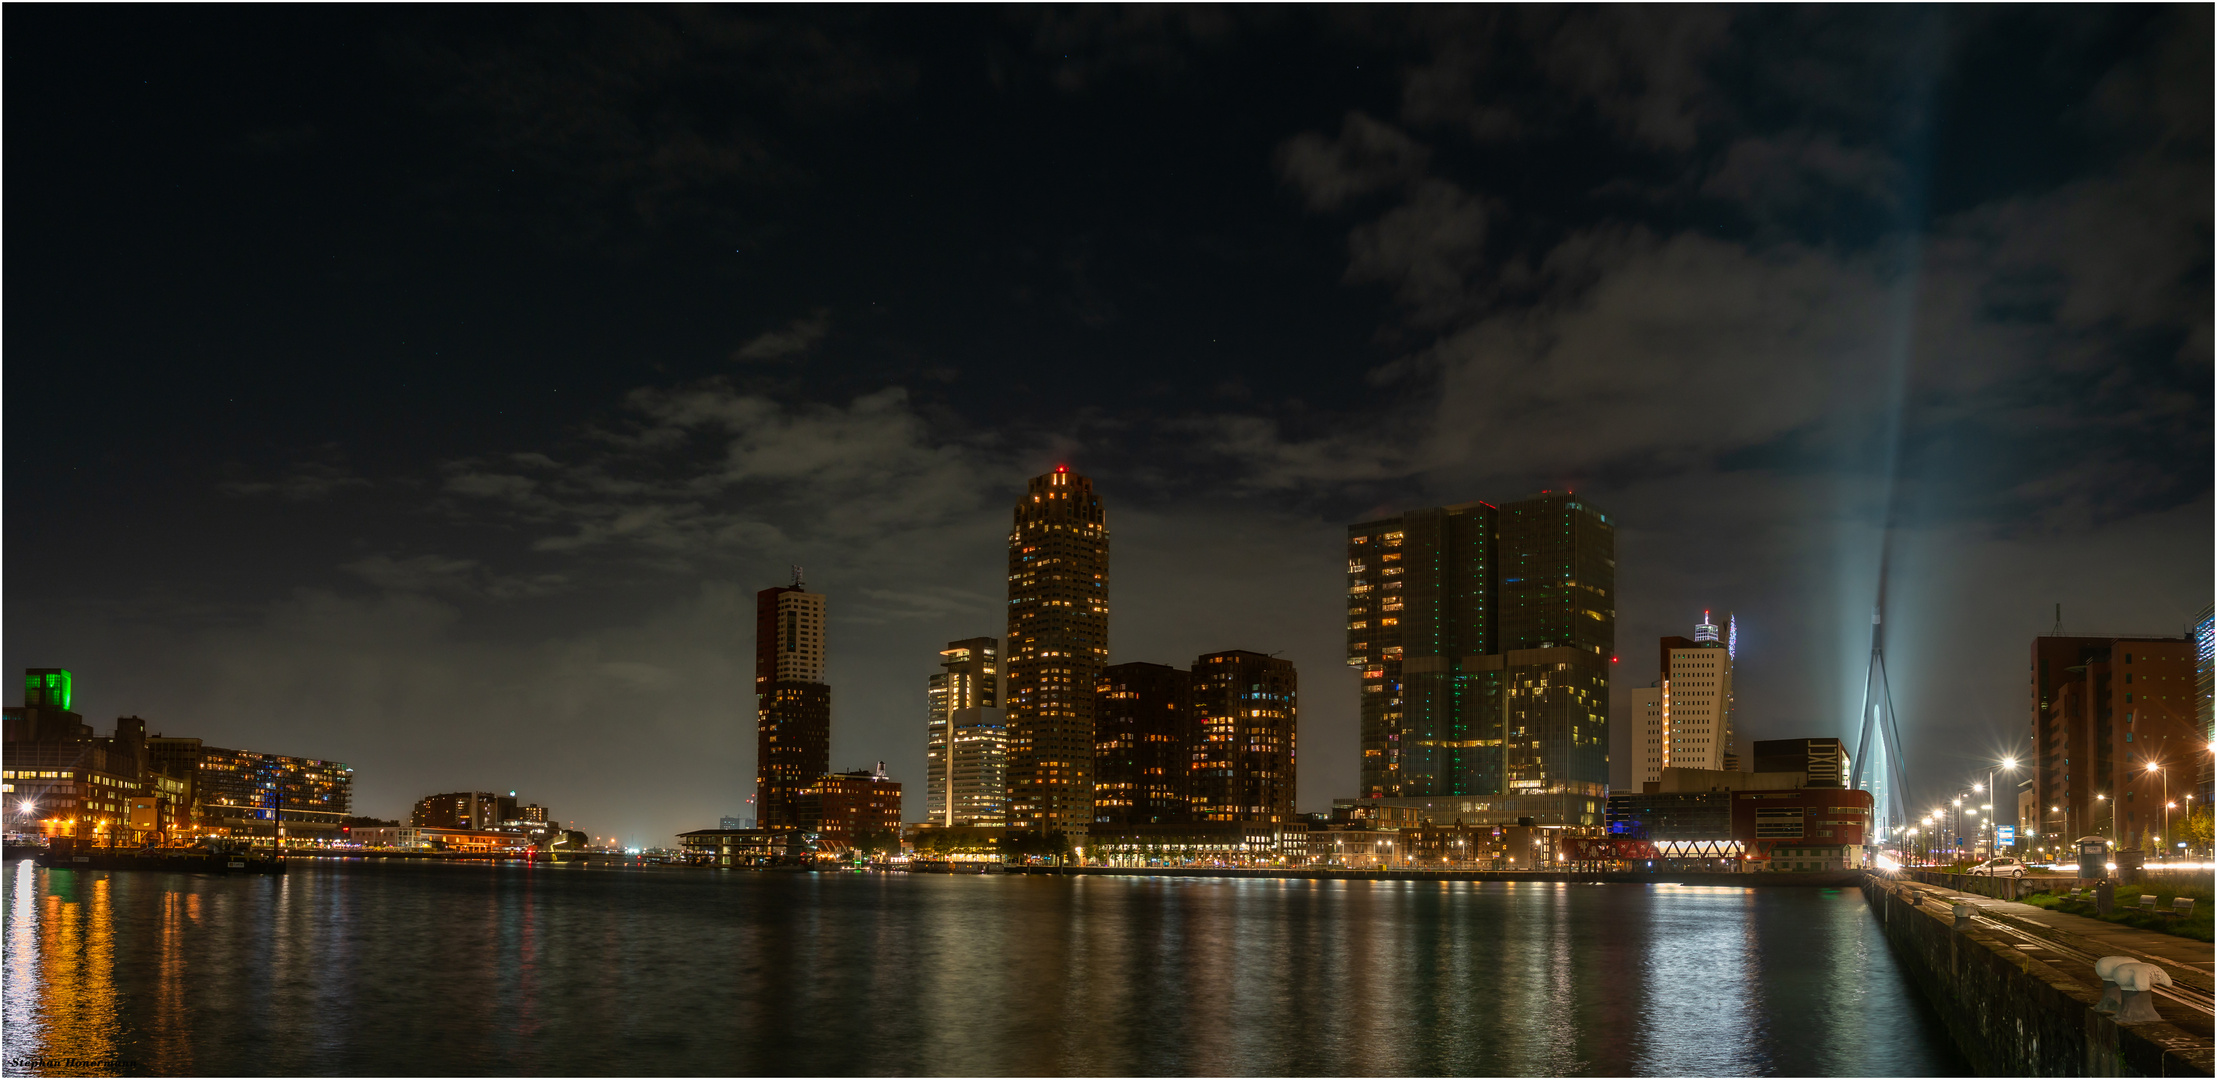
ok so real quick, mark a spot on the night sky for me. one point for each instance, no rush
(431, 389)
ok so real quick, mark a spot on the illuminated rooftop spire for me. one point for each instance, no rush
(1706, 632)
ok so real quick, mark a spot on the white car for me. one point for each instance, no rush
(1998, 868)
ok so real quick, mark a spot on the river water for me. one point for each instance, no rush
(360, 968)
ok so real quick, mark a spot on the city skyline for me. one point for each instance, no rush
(458, 382)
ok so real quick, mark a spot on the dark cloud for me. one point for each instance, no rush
(794, 340)
(1365, 157)
(1756, 281)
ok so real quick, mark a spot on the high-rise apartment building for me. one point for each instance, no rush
(966, 755)
(1484, 635)
(1420, 599)
(792, 704)
(1245, 708)
(2103, 711)
(1058, 554)
(1143, 735)
(1696, 720)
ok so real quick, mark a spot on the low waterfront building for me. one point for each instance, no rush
(413, 838)
(1199, 843)
(250, 793)
(1752, 828)
(85, 801)
(1584, 811)
(732, 847)
(933, 842)
(845, 809)
(131, 788)
(1354, 847)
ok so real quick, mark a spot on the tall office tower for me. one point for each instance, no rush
(2103, 711)
(1143, 739)
(1245, 715)
(1697, 699)
(792, 704)
(1058, 612)
(1420, 599)
(1485, 636)
(1653, 752)
(966, 758)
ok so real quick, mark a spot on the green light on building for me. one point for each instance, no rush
(47, 686)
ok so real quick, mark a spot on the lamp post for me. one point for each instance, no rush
(2157, 767)
(2007, 764)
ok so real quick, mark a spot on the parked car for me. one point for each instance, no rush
(1998, 868)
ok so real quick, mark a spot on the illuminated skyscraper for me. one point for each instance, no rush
(1057, 643)
(792, 704)
(1245, 707)
(966, 757)
(1143, 738)
(1485, 635)
(1420, 599)
(1697, 699)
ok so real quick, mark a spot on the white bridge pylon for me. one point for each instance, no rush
(1880, 728)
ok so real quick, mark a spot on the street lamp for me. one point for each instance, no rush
(1993, 822)
(2156, 767)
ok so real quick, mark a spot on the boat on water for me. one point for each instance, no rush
(211, 856)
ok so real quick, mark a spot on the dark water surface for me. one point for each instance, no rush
(400, 968)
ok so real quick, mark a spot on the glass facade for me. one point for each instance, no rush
(1484, 637)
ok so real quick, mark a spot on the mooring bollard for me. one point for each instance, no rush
(2105, 969)
(1963, 914)
(2138, 983)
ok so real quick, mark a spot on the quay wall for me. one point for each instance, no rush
(2014, 1015)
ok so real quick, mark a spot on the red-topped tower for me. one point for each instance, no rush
(1057, 644)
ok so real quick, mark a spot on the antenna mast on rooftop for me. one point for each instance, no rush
(796, 575)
